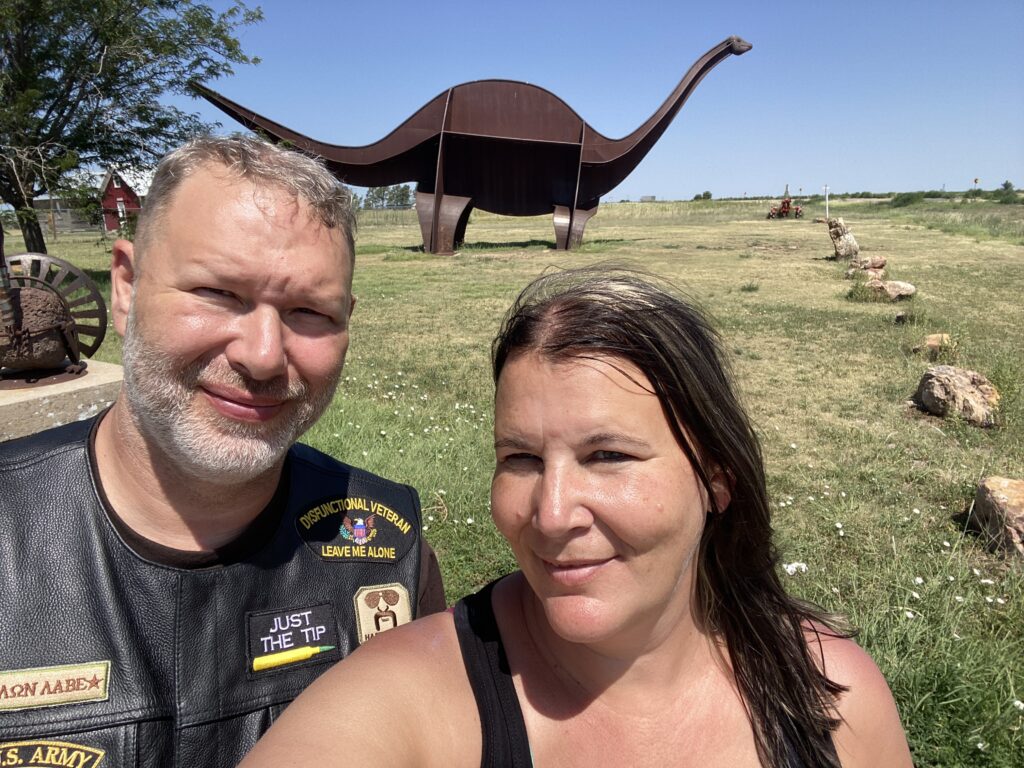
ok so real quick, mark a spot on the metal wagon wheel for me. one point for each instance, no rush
(77, 289)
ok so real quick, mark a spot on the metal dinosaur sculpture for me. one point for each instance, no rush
(505, 147)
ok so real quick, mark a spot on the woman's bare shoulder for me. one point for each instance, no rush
(870, 733)
(412, 677)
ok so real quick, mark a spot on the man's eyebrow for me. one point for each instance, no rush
(510, 442)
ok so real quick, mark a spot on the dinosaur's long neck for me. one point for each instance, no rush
(621, 156)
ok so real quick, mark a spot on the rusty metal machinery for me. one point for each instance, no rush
(51, 312)
(503, 146)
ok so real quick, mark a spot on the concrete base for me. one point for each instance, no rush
(29, 408)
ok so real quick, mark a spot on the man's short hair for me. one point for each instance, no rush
(260, 162)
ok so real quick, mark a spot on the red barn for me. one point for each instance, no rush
(119, 199)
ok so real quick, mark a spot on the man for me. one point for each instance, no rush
(174, 572)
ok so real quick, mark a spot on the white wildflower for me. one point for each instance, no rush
(918, 580)
(793, 568)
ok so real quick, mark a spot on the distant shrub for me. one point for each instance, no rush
(750, 287)
(904, 199)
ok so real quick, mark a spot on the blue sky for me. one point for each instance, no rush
(878, 96)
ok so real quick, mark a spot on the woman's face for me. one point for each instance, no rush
(599, 503)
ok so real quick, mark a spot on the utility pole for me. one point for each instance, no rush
(826, 202)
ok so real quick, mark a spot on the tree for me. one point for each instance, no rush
(398, 196)
(81, 81)
(376, 197)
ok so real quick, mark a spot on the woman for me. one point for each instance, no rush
(647, 625)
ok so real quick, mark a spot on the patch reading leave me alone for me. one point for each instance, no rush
(356, 528)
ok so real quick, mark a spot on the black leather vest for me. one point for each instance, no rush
(107, 659)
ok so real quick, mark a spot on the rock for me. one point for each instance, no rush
(894, 290)
(870, 262)
(842, 239)
(900, 318)
(999, 513)
(945, 389)
(851, 273)
(897, 289)
(933, 344)
(876, 274)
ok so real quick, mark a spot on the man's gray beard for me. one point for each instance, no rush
(160, 399)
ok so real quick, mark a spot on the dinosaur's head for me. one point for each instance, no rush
(738, 46)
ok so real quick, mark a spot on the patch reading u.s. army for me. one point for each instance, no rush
(356, 528)
(49, 754)
(290, 636)
(381, 607)
(53, 686)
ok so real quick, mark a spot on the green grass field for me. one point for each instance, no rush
(868, 493)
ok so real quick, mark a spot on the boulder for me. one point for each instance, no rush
(933, 344)
(894, 290)
(870, 262)
(945, 389)
(876, 274)
(843, 241)
(897, 289)
(999, 513)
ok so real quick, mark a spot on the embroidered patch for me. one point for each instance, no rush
(53, 686)
(356, 528)
(290, 636)
(49, 754)
(380, 608)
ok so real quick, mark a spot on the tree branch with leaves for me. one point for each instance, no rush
(81, 83)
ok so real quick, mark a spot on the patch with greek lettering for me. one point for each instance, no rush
(356, 528)
(53, 686)
(49, 754)
(288, 637)
(380, 608)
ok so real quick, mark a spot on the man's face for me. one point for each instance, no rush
(238, 327)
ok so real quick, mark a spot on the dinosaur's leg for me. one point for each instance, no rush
(580, 217)
(425, 213)
(563, 218)
(451, 218)
(569, 226)
(451, 222)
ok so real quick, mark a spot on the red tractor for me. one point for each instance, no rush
(783, 210)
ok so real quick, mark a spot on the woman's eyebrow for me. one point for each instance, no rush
(619, 438)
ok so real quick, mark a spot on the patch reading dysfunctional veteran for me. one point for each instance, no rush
(53, 686)
(356, 528)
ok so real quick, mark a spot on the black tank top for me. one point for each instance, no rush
(505, 742)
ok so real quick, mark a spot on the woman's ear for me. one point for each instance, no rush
(721, 488)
